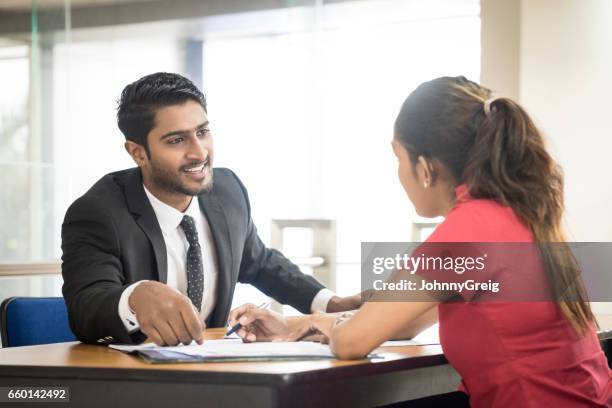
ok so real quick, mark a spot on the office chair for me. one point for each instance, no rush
(605, 339)
(26, 321)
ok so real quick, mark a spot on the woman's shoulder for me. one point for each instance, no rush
(481, 220)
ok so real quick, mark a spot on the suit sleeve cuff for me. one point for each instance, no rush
(321, 299)
(127, 315)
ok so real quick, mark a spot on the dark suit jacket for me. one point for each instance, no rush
(111, 238)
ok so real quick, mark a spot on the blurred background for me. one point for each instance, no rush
(302, 96)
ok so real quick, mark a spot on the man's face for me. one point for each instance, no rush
(181, 150)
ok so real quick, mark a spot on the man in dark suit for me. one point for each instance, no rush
(156, 251)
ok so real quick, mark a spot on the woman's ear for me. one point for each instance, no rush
(424, 172)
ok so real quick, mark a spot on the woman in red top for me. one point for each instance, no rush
(481, 164)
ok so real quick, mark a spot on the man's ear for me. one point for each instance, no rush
(137, 152)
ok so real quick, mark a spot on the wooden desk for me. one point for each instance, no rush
(101, 377)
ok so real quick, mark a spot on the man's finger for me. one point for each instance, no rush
(180, 330)
(167, 334)
(154, 336)
(193, 324)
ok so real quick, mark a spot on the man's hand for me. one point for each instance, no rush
(165, 316)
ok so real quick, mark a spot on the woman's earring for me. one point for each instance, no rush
(425, 184)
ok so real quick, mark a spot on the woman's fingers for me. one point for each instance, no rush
(251, 315)
(235, 314)
(251, 333)
(242, 332)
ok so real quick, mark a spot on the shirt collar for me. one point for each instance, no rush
(168, 217)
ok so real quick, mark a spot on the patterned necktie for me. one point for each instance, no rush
(195, 271)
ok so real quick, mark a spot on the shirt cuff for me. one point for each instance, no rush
(127, 315)
(320, 301)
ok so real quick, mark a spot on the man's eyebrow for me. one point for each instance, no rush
(182, 132)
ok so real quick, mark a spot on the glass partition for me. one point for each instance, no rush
(301, 99)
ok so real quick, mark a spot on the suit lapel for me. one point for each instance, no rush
(139, 205)
(220, 232)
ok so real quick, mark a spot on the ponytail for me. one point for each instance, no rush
(509, 163)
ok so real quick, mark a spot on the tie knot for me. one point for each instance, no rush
(189, 228)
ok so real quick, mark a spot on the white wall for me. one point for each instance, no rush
(500, 35)
(555, 57)
(566, 83)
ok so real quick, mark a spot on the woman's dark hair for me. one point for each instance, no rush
(141, 99)
(493, 147)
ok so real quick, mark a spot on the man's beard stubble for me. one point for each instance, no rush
(171, 182)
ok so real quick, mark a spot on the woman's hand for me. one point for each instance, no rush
(263, 324)
(266, 325)
(315, 327)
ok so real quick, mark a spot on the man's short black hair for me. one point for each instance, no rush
(141, 99)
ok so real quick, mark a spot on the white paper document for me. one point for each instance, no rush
(399, 343)
(235, 348)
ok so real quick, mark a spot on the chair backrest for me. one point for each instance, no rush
(605, 339)
(27, 321)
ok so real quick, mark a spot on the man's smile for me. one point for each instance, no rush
(198, 170)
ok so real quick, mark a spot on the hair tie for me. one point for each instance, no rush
(487, 106)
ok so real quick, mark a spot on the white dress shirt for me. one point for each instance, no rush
(169, 219)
